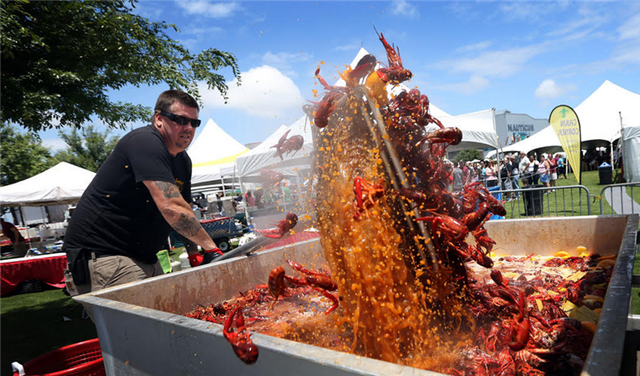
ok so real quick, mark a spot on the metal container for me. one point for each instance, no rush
(143, 331)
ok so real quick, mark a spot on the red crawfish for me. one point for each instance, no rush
(328, 102)
(521, 325)
(365, 66)
(240, 339)
(287, 145)
(366, 194)
(395, 73)
(282, 228)
(270, 177)
(319, 281)
(451, 136)
(434, 199)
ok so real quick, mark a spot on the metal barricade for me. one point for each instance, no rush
(539, 201)
(620, 198)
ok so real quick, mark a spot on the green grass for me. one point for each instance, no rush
(575, 200)
(33, 324)
(635, 195)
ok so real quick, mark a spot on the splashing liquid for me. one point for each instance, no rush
(394, 310)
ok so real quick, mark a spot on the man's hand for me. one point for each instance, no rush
(198, 259)
(195, 259)
(211, 255)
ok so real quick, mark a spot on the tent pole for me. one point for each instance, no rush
(233, 185)
(24, 223)
(299, 188)
(621, 146)
(498, 152)
(246, 203)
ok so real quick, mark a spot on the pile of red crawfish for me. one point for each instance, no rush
(517, 323)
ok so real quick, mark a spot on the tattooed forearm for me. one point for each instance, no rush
(187, 226)
(170, 190)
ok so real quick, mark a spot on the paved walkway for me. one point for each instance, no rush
(620, 201)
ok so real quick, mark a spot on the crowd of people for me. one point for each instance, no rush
(514, 171)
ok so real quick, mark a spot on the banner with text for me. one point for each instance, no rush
(565, 123)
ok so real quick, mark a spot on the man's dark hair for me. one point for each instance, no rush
(169, 97)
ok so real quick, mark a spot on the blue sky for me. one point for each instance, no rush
(525, 57)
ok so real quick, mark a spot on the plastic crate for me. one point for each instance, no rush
(82, 358)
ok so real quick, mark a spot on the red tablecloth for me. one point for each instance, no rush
(49, 269)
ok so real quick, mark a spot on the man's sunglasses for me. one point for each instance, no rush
(181, 119)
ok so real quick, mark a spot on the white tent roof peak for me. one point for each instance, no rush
(62, 183)
(599, 117)
(214, 146)
(361, 53)
(599, 114)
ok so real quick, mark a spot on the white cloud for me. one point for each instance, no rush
(147, 10)
(475, 84)
(209, 9)
(265, 92)
(403, 8)
(503, 63)
(208, 30)
(586, 22)
(480, 46)
(349, 47)
(284, 58)
(521, 10)
(54, 144)
(286, 61)
(630, 29)
(626, 55)
(548, 89)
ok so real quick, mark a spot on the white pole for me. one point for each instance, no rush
(24, 222)
(624, 160)
(234, 179)
(498, 152)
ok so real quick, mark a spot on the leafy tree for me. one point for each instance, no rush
(468, 155)
(23, 155)
(59, 59)
(87, 148)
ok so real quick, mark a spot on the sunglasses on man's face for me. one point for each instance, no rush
(181, 119)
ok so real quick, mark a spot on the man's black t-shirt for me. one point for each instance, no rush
(116, 214)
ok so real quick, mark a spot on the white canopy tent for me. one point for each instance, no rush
(631, 150)
(213, 154)
(478, 129)
(599, 117)
(600, 113)
(61, 184)
(546, 138)
(264, 155)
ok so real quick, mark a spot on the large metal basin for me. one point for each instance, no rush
(142, 330)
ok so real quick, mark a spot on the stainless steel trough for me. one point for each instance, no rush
(143, 331)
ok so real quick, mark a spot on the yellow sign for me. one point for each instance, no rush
(564, 121)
